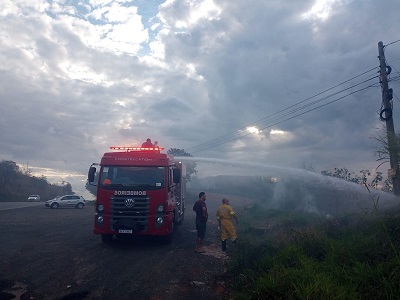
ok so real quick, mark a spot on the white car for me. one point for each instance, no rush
(33, 198)
(66, 201)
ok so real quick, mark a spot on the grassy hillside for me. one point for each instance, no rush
(312, 237)
(15, 185)
(299, 255)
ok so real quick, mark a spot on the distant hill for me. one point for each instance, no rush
(16, 185)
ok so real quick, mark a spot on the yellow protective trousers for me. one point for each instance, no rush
(227, 230)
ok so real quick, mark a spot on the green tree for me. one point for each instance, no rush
(343, 173)
(16, 184)
(190, 165)
(66, 187)
(364, 179)
(8, 172)
(387, 185)
(382, 150)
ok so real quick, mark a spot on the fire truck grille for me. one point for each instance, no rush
(129, 213)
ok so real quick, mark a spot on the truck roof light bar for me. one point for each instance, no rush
(136, 148)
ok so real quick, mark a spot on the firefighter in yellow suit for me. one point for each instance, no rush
(225, 214)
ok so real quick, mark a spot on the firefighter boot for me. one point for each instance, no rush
(224, 246)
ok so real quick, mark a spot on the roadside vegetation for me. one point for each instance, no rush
(300, 255)
(17, 184)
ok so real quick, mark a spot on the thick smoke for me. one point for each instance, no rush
(292, 189)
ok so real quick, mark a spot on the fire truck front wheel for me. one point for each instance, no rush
(106, 238)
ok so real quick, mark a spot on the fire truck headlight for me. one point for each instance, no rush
(160, 208)
(100, 219)
(100, 207)
(160, 220)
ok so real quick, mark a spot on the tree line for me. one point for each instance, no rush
(17, 184)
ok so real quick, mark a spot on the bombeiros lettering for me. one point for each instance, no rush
(130, 193)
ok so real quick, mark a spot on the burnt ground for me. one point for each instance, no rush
(52, 254)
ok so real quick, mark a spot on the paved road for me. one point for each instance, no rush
(52, 254)
(15, 205)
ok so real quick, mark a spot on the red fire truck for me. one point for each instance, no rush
(140, 191)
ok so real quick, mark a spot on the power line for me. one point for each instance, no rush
(274, 114)
(234, 133)
(387, 62)
(392, 43)
(238, 135)
(244, 135)
(270, 125)
(397, 78)
(329, 96)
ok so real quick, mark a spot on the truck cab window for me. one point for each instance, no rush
(143, 176)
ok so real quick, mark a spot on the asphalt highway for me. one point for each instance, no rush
(53, 254)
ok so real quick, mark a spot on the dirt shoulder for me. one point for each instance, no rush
(52, 254)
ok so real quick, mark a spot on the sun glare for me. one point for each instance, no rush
(275, 131)
(322, 9)
(253, 129)
(122, 103)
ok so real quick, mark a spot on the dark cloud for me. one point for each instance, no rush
(67, 93)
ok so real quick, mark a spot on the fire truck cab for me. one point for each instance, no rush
(140, 192)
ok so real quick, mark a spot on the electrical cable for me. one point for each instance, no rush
(224, 142)
(274, 114)
(396, 97)
(392, 67)
(275, 117)
(228, 135)
(397, 76)
(329, 96)
(239, 135)
(270, 125)
(391, 43)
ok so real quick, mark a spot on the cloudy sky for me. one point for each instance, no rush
(236, 80)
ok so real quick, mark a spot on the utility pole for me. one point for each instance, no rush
(387, 95)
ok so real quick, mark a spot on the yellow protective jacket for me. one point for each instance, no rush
(225, 214)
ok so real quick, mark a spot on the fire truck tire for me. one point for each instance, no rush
(54, 205)
(106, 238)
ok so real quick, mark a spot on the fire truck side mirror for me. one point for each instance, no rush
(92, 172)
(177, 176)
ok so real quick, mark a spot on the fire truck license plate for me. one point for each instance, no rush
(125, 231)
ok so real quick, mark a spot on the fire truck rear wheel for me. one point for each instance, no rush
(106, 238)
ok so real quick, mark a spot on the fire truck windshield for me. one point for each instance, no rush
(146, 177)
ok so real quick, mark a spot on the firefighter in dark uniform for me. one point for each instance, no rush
(148, 144)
